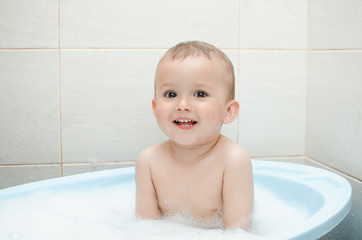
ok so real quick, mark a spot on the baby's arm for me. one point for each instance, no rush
(238, 191)
(146, 199)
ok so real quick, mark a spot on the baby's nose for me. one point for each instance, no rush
(184, 104)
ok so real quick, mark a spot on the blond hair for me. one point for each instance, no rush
(197, 48)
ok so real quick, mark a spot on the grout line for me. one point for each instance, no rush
(307, 80)
(299, 50)
(118, 49)
(57, 164)
(238, 77)
(28, 164)
(101, 163)
(27, 49)
(164, 49)
(136, 49)
(60, 97)
(332, 168)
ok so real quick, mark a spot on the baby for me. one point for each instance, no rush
(198, 170)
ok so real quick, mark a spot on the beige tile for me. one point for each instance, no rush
(334, 118)
(29, 106)
(29, 24)
(277, 24)
(71, 169)
(147, 24)
(272, 96)
(231, 130)
(16, 175)
(106, 104)
(335, 24)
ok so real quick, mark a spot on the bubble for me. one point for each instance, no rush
(108, 213)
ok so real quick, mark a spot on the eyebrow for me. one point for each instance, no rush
(203, 85)
(196, 85)
(163, 85)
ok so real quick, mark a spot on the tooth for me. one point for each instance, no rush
(184, 121)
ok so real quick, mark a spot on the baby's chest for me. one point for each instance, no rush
(201, 194)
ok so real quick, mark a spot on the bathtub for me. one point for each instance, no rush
(324, 195)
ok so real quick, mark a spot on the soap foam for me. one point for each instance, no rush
(108, 213)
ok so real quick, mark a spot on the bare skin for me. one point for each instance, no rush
(198, 169)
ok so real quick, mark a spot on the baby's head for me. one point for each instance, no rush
(194, 93)
(185, 50)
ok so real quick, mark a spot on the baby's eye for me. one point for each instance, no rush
(170, 94)
(200, 94)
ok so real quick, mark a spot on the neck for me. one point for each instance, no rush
(191, 154)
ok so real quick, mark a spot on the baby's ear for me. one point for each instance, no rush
(154, 106)
(232, 111)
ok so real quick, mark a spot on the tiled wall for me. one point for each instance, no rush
(334, 116)
(76, 78)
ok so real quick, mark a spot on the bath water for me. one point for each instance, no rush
(108, 213)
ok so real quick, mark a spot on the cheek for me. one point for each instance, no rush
(211, 116)
(162, 110)
(158, 113)
(214, 112)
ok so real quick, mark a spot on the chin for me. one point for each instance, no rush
(184, 143)
(188, 142)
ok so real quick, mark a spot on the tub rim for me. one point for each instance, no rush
(317, 225)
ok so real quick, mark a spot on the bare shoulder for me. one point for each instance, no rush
(147, 156)
(234, 154)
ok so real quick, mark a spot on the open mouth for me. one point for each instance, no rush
(185, 123)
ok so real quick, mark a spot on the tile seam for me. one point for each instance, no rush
(60, 97)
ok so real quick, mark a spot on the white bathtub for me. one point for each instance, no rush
(326, 196)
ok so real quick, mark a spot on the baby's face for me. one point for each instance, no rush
(191, 100)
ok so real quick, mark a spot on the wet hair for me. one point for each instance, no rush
(197, 48)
